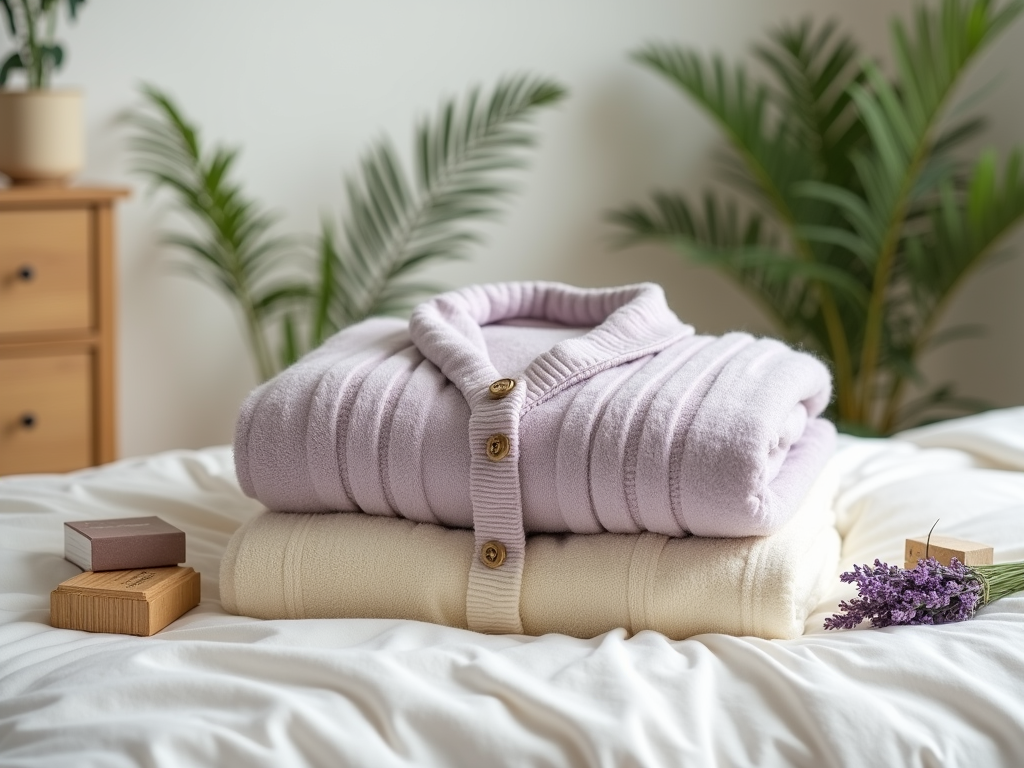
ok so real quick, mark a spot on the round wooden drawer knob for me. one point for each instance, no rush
(28, 420)
(26, 273)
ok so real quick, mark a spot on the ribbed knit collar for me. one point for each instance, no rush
(626, 323)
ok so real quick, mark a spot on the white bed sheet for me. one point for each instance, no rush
(216, 689)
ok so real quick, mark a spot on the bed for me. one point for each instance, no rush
(224, 690)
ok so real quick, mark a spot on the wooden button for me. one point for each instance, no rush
(492, 554)
(497, 447)
(501, 387)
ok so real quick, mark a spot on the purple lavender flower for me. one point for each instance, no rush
(930, 593)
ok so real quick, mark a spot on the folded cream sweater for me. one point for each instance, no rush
(352, 565)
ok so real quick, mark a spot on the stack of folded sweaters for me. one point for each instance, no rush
(534, 457)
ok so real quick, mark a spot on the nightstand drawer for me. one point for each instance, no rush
(45, 413)
(46, 272)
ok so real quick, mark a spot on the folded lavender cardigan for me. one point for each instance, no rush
(541, 407)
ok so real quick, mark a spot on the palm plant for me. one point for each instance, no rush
(861, 218)
(33, 25)
(393, 226)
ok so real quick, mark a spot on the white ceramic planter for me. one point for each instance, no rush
(40, 136)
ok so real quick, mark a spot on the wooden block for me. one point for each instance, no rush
(139, 602)
(942, 548)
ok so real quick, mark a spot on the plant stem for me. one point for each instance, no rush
(46, 70)
(257, 337)
(840, 355)
(33, 68)
(1001, 579)
(876, 309)
(879, 289)
(233, 266)
(895, 395)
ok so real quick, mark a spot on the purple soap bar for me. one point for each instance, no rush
(123, 544)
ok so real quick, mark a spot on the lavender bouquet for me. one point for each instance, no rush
(930, 593)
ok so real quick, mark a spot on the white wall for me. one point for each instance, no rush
(306, 85)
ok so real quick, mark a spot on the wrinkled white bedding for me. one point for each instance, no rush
(216, 689)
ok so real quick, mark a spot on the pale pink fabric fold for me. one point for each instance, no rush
(623, 419)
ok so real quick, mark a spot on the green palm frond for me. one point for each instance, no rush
(233, 245)
(863, 176)
(768, 145)
(393, 226)
(815, 68)
(717, 236)
(396, 224)
(965, 227)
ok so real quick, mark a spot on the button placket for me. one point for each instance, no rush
(495, 575)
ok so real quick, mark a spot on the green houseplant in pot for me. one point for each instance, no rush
(864, 210)
(40, 127)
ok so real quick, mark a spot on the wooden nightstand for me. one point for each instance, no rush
(56, 328)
